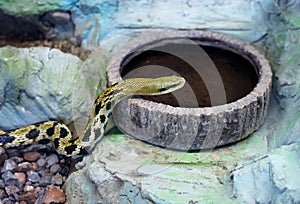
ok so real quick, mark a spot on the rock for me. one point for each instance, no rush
(41, 162)
(24, 166)
(21, 177)
(9, 165)
(31, 156)
(2, 194)
(10, 190)
(55, 98)
(45, 180)
(28, 188)
(53, 195)
(2, 184)
(33, 177)
(274, 172)
(57, 179)
(3, 156)
(29, 197)
(9, 178)
(55, 168)
(52, 159)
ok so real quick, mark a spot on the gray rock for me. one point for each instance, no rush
(55, 168)
(275, 178)
(2, 194)
(45, 180)
(33, 177)
(11, 190)
(9, 165)
(2, 184)
(52, 159)
(41, 162)
(9, 178)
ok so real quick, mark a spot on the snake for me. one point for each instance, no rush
(60, 135)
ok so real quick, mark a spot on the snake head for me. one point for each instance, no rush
(151, 86)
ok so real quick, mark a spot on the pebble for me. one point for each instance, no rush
(11, 190)
(31, 156)
(41, 162)
(51, 159)
(45, 180)
(28, 188)
(32, 177)
(2, 194)
(24, 166)
(3, 156)
(53, 195)
(9, 165)
(21, 177)
(55, 168)
(9, 178)
(57, 179)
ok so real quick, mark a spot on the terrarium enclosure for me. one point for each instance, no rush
(57, 56)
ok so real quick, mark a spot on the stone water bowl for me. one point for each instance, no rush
(225, 98)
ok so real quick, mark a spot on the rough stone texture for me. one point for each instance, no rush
(183, 128)
(112, 19)
(274, 177)
(41, 83)
(207, 173)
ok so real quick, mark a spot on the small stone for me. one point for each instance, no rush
(23, 202)
(35, 166)
(2, 184)
(9, 165)
(33, 177)
(17, 159)
(24, 166)
(52, 159)
(21, 177)
(45, 180)
(57, 179)
(3, 156)
(53, 195)
(31, 156)
(10, 190)
(28, 197)
(41, 162)
(28, 188)
(55, 168)
(65, 170)
(2, 194)
(9, 178)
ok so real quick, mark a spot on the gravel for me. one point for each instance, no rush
(34, 177)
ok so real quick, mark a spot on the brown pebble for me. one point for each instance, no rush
(21, 177)
(28, 188)
(3, 156)
(24, 166)
(31, 156)
(23, 202)
(53, 195)
(35, 166)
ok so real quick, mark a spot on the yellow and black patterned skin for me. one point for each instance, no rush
(61, 136)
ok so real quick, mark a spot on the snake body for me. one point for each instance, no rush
(61, 136)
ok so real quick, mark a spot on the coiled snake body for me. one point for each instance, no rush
(60, 134)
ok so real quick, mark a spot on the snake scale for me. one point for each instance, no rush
(61, 136)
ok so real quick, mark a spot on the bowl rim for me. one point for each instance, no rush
(244, 49)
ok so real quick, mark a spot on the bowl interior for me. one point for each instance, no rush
(237, 73)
